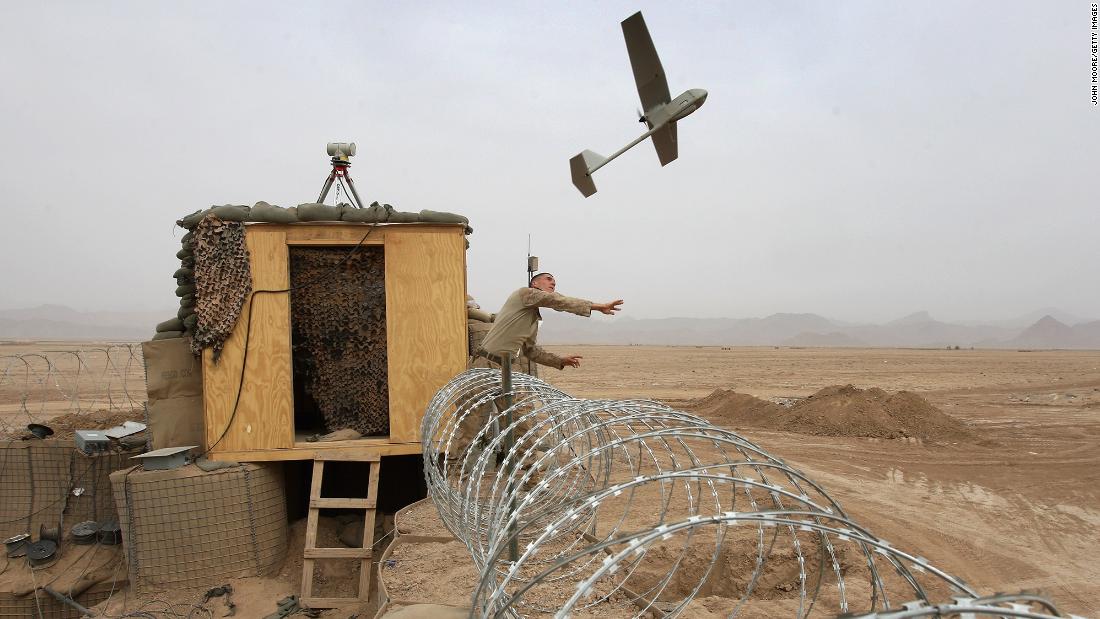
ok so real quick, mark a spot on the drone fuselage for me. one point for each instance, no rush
(676, 109)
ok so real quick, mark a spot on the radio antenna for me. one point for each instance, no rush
(532, 261)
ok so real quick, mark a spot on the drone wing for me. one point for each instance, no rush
(648, 73)
(664, 140)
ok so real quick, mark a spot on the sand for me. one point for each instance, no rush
(1015, 507)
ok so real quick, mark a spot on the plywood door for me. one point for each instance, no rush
(425, 322)
(265, 415)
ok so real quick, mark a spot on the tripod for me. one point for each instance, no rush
(340, 167)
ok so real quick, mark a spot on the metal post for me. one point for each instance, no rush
(509, 447)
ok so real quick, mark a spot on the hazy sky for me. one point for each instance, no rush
(861, 160)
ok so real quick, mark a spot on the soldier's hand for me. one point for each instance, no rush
(573, 361)
(608, 308)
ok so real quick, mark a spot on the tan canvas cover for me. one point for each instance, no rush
(175, 423)
(173, 378)
(171, 371)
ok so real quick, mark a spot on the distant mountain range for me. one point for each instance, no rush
(917, 330)
(57, 322)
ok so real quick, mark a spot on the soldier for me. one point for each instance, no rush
(515, 330)
(516, 325)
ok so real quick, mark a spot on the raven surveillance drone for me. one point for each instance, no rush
(659, 111)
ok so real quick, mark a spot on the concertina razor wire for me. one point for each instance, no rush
(37, 386)
(568, 504)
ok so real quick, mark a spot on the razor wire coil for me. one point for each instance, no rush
(631, 503)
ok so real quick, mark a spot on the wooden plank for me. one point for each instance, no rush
(351, 233)
(425, 322)
(264, 418)
(315, 486)
(338, 553)
(311, 529)
(349, 454)
(313, 602)
(368, 530)
(339, 503)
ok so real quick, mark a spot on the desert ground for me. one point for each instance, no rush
(1015, 508)
(1018, 511)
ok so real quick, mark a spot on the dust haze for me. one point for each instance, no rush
(861, 160)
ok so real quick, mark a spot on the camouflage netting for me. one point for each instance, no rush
(190, 528)
(339, 334)
(186, 319)
(223, 281)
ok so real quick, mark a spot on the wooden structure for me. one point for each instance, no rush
(364, 555)
(425, 287)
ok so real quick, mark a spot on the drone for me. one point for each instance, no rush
(659, 111)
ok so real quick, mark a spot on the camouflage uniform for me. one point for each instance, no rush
(517, 324)
(515, 330)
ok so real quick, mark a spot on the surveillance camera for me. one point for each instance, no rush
(341, 149)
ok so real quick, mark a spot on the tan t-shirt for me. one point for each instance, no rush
(517, 324)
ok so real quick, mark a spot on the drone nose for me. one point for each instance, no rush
(702, 94)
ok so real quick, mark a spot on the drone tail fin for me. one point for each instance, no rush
(581, 166)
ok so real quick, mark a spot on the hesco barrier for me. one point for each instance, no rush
(45, 607)
(190, 528)
(50, 482)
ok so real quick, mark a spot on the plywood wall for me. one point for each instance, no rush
(425, 322)
(264, 417)
(426, 331)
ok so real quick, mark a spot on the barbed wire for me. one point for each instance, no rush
(36, 386)
(568, 504)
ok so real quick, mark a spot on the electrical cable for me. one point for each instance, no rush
(248, 332)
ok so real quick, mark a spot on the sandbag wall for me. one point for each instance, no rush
(191, 528)
(186, 320)
(47, 481)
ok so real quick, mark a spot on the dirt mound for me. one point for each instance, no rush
(724, 407)
(839, 410)
(64, 425)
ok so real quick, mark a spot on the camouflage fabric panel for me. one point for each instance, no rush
(338, 316)
(223, 281)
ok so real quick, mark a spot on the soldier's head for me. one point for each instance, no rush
(544, 282)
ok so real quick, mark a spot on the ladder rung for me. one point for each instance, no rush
(337, 553)
(329, 602)
(342, 457)
(335, 503)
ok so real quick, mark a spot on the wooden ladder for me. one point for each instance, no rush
(311, 552)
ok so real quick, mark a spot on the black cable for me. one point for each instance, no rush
(248, 331)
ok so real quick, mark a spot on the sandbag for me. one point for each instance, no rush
(167, 335)
(192, 220)
(184, 254)
(185, 311)
(190, 321)
(265, 212)
(442, 217)
(373, 214)
(187, 301)
(231, 212)
(182, 291)
(399, 217)
(183, 281)
(319, 212)
(184, 272)
(173, 324)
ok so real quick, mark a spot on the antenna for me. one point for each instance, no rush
(532, 261)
